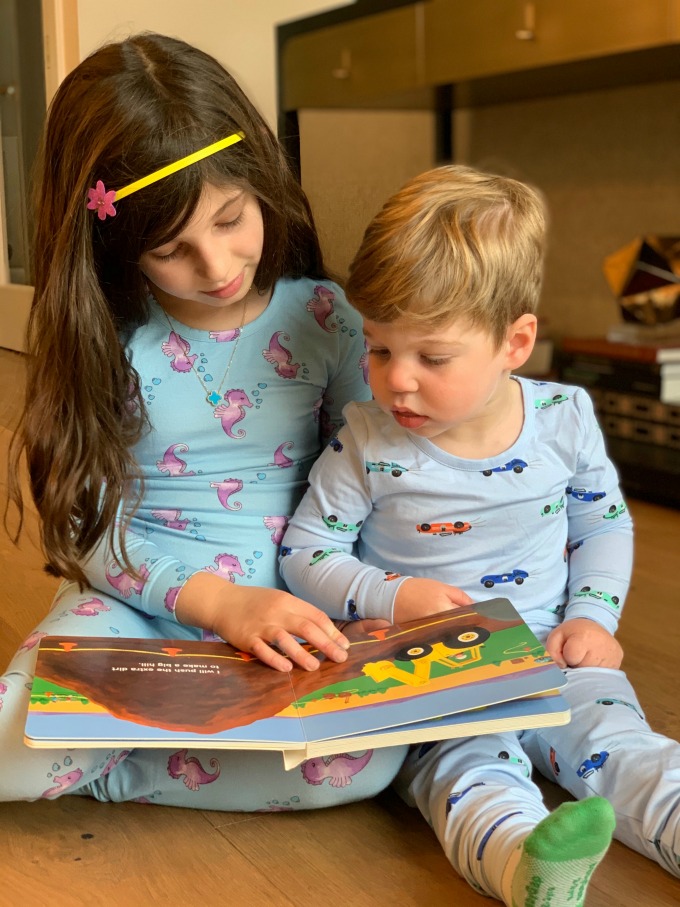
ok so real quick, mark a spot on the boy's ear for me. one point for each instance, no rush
(520, 340)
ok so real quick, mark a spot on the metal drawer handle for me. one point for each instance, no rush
(528, 33)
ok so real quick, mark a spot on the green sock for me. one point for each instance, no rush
(561, 854)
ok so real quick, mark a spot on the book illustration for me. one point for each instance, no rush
(103, 689)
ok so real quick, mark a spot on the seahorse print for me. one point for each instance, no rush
(280, 459)
(225, 336)
(338, 769)
(62, 783)
(278, 525)
(3, 690)
(113, 762)
(321, 306)
(176, 348)
(170, 599)
(32, 641)
(171, 519)
(190, 769)
(225, 489)
(280, 357)
(231, 412)
(171, 463)
(227, 565)
(90, 608)
(124, 583)
(363, 365)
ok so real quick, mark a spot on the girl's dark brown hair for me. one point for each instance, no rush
(127, 110)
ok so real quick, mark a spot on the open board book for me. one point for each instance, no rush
(467, 671)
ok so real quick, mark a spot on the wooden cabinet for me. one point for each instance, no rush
(366, 60)
(466, 40)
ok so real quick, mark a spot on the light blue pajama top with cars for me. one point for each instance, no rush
(544, 523)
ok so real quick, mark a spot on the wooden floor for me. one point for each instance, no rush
(74, 852)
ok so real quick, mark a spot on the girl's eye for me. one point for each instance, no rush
(229, 225)
(168, 257)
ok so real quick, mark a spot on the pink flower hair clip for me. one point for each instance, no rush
(101, 201)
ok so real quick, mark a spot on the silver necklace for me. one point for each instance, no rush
(213, 396)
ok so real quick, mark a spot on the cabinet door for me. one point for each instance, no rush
(354, 62)
(489, 37)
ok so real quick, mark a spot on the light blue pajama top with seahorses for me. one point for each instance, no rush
(220, 482)
(543, 524)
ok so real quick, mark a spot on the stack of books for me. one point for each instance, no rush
(636, 391)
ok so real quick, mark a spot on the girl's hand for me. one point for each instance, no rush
(417, 597)
(582, 643)
(256, 619)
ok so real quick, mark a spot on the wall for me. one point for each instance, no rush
(608, 164)
(240, 33)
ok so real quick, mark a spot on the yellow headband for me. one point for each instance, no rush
(102, 201)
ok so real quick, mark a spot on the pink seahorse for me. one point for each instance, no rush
(321, 306)
(278, 525)
(171, 519)
(181, 765)
(280, 459)
(63, 782)
(91, 608)
(231, 412)
(113, 762)
(3, 689)
(363, 365)
(225, 489)
(177, 349)
(338, 769)
(170, 599)
(280, 357)
(225, 336)
(32, 641)
(124, 583)
(227, 566)
(172, 464)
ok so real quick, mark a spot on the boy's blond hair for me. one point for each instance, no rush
(453, 243)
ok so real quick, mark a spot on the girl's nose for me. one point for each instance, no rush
(213, 263)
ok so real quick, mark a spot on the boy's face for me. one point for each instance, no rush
(449, 385)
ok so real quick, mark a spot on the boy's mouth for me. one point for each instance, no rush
(408, 419)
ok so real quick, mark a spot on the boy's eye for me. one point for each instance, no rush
(376, 351)
(434, 360)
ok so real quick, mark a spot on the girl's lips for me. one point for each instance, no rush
(230, 289)
(408, 419)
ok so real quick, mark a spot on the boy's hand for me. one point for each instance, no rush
(261, 621)
(417, 597)
(582, 643)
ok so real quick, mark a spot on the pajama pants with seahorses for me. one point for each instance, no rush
(206, 779)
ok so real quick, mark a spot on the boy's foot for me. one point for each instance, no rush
(561, 854)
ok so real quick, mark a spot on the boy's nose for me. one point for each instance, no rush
(399, 377)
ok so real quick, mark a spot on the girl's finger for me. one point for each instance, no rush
(270, 656)
(295, 651)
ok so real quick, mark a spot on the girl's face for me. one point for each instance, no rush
(202, 275)
(450, 385)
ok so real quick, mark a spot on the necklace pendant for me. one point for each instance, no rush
(213, 398)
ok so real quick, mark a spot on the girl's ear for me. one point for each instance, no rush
(520, 340)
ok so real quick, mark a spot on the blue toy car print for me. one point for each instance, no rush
(515, 465)
(514, 576)
(383, 466)
(581, 494)
(594, 764)
(335, 444)
(458, 794)
(550, 401)
(587, 592)
(334, 523)
(285, 550)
